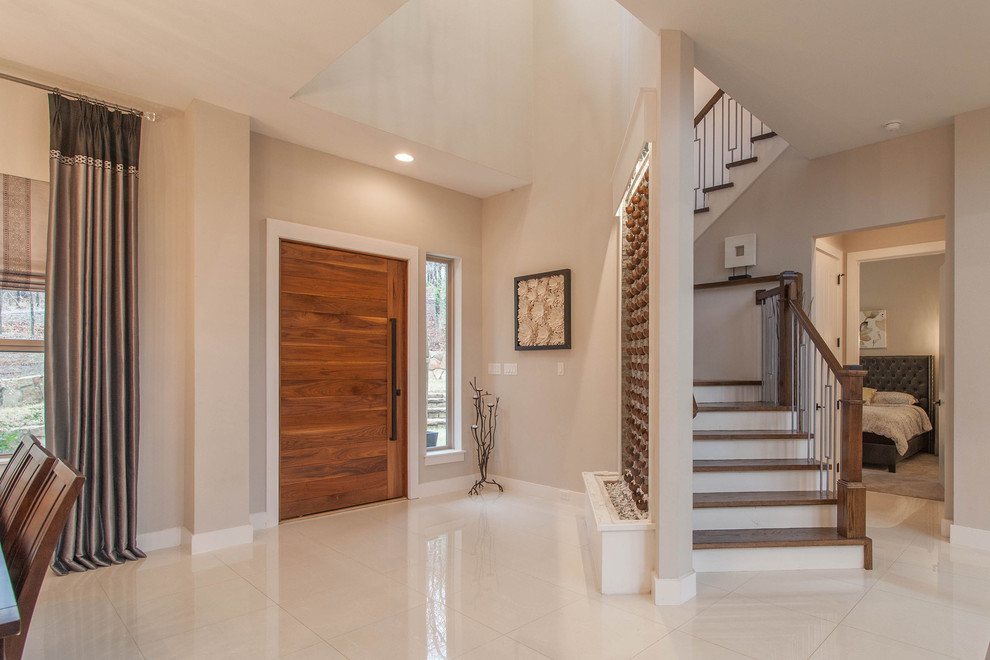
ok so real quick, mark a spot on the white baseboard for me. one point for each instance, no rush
(444, 486)
(221, 538)
(946, 527)
(165, 538)
(675, 591)
(520, 487)
(259, 520)
(969, 536)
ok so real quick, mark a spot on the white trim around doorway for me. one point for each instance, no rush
(279, 229)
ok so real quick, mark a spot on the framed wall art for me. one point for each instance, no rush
(873, 328)
(543, 310)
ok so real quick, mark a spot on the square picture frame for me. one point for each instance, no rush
(543, 311)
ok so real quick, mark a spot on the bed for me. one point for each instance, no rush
(913, 374)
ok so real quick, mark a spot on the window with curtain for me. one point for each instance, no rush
(23, 238)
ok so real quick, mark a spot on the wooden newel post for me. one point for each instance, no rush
(851, 493)
(785, 369)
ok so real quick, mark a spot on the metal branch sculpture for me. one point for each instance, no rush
(483, 430)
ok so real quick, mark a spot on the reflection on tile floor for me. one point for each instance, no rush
(509, 577)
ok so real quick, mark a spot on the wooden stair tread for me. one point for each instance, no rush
(755, 464)
(749, 435)
(726, 383)
(744, 161)
(741, 406)
(703, 209)
(763, 498)
(721, 186)
(764, 136)
(772, 537)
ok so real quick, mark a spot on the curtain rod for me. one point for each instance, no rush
(150, 116)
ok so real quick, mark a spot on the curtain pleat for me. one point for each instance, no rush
(91, 340)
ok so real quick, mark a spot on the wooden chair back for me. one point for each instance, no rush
(19, 485)
(34, 545)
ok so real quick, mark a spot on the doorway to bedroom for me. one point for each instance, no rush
(888, 301)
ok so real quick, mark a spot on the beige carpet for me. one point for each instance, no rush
(915, 477)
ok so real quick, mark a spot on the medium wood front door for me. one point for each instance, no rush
(342, 379)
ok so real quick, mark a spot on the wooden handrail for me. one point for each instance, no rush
(817, 339)
(850, 491)
(708, 106)
(763, 294)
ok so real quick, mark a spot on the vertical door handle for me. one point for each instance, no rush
(393, 392)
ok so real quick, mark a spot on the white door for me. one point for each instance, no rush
(826, 307)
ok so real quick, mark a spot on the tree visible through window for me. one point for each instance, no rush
(439, 367)
(22, 366)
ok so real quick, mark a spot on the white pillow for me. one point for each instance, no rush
(895, 398)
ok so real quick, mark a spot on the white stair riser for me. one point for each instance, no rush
(756, 517)
(723, 482)
(722, 393)
(778, 559)
(724, 449)
(743, 420)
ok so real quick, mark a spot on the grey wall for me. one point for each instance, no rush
(908, 289)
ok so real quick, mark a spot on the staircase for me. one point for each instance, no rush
(775, 461)
(732, 149)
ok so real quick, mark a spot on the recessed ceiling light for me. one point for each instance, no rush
(892, 126)
(404, 157)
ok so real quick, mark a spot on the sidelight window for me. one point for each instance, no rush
(439, 353)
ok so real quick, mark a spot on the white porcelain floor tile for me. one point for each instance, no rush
(79, 627)
(291, 576)
(759, 629)
(808, 592)
(338, 611)
(589, 629)
(164, 616)
(321, 651)
(948, 558)
(931, 583)
(503, 648)
(671, 616)
(571, 569)
(446, 571)
(681, 646)
(163, 573)
(931, 626)
(262, 635)
(428, 631)
(729, 581)
(508, 599)
(847, 643)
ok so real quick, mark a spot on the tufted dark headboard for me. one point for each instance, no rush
(914, 374)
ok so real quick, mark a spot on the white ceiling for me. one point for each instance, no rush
(456, 75)
(826, 74)
(250, 56)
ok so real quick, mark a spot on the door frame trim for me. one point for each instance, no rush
(276, 230)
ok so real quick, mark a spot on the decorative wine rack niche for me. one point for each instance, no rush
(634, 302)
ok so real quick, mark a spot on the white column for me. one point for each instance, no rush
(672, 321)
(219, 152)
(969, 236)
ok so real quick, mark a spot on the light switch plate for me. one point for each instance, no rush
(494, 368)
(509, 368)
(560, 368)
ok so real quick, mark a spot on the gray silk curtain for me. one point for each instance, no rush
(91, 334)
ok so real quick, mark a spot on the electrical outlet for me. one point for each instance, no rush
(509, 369)
(560, 368)
(494, 368)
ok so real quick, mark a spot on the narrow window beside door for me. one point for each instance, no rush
(439, 353)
